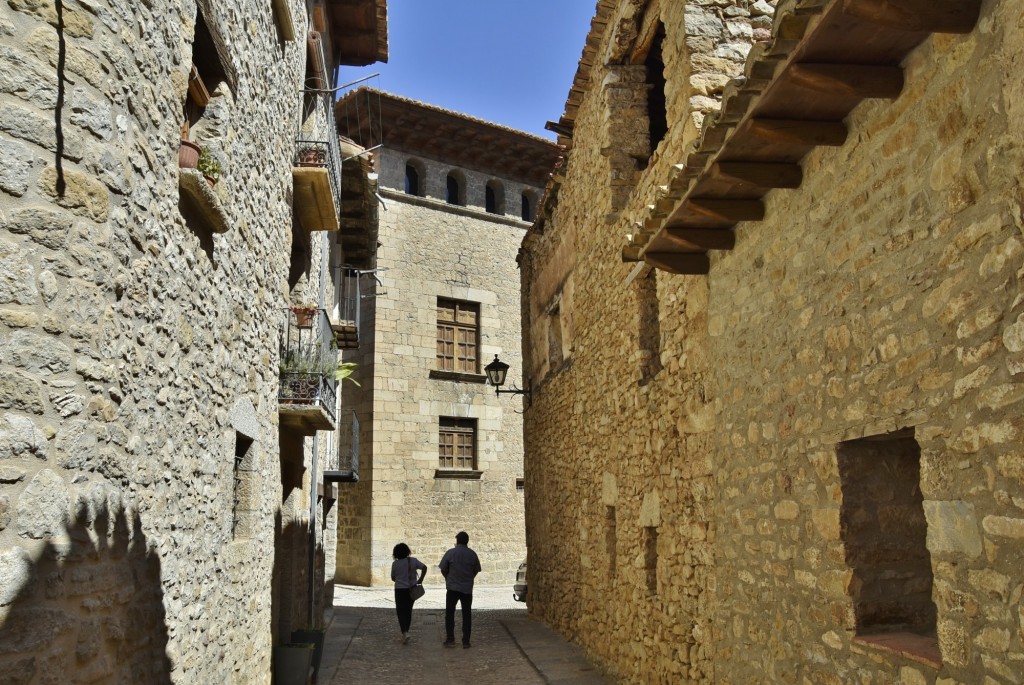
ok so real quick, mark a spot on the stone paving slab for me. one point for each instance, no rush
(363, 644)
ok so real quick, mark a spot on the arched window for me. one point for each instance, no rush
(527, 207)
(454, 193)
(494, 198)
(412, 180)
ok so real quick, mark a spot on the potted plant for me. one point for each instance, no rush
(301, 373)
(304, 315)
(312, 155)
(315, 637)
(209, 167)
(344, 372)
(188, 154)
(292, 663)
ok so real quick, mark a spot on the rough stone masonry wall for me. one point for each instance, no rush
(135, 346)
(431, 250)
(885, 294)
(619, 487)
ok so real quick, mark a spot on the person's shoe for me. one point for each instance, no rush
(405, 638)
(449, 643)
(465, 645)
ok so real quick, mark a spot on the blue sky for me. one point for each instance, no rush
(508, 62)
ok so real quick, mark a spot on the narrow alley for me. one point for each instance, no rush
(363, 645)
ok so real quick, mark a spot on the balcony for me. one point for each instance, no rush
(348, 452)
(316, 168)
(307, 398)
(345, 318)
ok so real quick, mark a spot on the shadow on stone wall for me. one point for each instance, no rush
(89, 608)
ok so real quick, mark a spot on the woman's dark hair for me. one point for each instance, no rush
(401, 551)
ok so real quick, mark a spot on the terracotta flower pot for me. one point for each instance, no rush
(188, 155)
(304, 316)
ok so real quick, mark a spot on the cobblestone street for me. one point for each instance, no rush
(364, 645)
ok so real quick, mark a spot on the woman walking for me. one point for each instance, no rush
(403, 572)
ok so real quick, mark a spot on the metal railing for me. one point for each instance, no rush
(346, 307)
(316, 143)
(309, 360)
(348, 445)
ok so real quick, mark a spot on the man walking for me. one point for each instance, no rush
(459, 567)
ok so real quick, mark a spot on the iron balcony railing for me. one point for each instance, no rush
(346, 309)
(316, 143)
(348, 445)
(347, 469)
(309, 361)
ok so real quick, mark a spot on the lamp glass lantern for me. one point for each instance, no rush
(496, 372)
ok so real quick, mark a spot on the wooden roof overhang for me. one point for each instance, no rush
(825, 57)
(464, 141)
(359, 31)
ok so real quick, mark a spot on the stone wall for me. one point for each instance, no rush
(894, 308)
(139, 346)
(431, 249)
(698, 419)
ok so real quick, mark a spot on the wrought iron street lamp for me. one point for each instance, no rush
(496, 372)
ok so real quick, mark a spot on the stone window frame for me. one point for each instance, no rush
(244, 440)
(918, 644)
(207, 70)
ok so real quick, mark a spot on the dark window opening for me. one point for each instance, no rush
(241, 509)
(494, 198)
(490, 204)
(206, 74)
(884, 529)
(657, 116)
(520, 485)
(412, 180)
(453, 193)
(527, 208)
(651, 559)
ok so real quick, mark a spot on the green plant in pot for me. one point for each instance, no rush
(344, 372)
(209, 167)
(305, 315)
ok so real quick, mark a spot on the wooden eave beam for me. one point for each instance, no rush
(861, 81)
(933, 16)
(799, 132)
(684, 263)
(731, 211)
(701, 238)
(759, 174)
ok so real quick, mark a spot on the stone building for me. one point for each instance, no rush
(159, 479)
(439, 450)
(773, 320)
